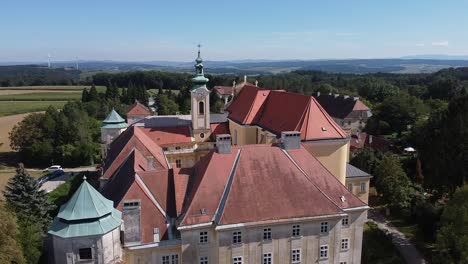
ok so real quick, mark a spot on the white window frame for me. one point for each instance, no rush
(345, 221)
(296, 230)
(323, 252)
(343, 262)
(165, 259)
(170, 259)
(296, 256)
(350, 187)
(363, 187)
(237, 260)
(267, 236)
(324, 228)
(178, 163)
(344, 245)
(203, 239)
(203, 260)
(267, 258)
(236, 237)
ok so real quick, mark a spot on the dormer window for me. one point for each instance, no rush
(201, 108)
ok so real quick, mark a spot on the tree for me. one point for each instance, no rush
(85, 95)
(367, 160)
(30, 237)
(452, 238)
(392, 182)
(166, 106)
(93, 94)
(10, 249)
(24, 196)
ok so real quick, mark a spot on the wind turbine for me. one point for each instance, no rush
(76, 63)
(48, 60)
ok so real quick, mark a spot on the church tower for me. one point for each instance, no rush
(200, 103)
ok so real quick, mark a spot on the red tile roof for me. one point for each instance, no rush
(224, 90)
(219, 128)
(267, 184)
(279, 111)
(168, 135)
(363, 140)
(138, 109)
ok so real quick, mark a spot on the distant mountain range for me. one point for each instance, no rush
(408, 64)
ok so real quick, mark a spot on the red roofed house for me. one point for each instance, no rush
(349, 112)
(137, 112)
(264, 183)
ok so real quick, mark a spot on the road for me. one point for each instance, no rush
(51, 185)
(409, 252)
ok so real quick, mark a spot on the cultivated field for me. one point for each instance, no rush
(42, 96)
(6, 124)
(55, 87)
(8, 108)
(17, 91)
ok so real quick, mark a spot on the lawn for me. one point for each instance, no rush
(6, 174)
(54, 96)
(377, 247)
(55, 87)
(19, 107)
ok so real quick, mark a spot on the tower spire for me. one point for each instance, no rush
(199, 78)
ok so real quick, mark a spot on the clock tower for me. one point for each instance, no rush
(200, 103)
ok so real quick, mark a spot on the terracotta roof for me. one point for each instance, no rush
(342, 107)
(220, 128)
(223, 90)
(138, 109)
(279, 111)
(181, 181)
(167, 135)
(123, 145)
(267, 184)
(362, 140)
(244, 108)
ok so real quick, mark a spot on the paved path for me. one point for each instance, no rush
(51, 185)
(406, 248)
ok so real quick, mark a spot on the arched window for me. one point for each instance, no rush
(201, 108)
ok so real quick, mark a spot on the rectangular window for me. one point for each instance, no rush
(296, 231)
(85, 253)
(267, 234)
(363, 187)
(324, 227)
(350, 187)
(345, 221)
(203, 237)
(175, 259)
(342, 262)
(177, 148)
(296, 256)
(165, 260)
(172, 259)
(344, 244)
(203, 260)
(324, 252)
(267, 259)
(178, 163)
(236, 237)
(237, 260)
(130, 204)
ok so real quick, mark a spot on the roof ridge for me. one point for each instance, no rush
(308, 178)
(224, 197)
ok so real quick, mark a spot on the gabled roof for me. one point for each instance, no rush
(244, 108)
(353, 172)
(220, 128)
(167, 135)
(278, 111)
(341, 106)
(86, 213)
(260, 183)
(138, 109)
(224, 90)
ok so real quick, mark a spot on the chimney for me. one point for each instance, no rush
(245, 78)
(155, 234)
(318, 94)
(149, 164)
(370, 139)
(233, 84)
(291, 140)
(223, 143)
(356, 98)
(256, 82)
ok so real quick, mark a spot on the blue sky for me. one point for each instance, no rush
(170, 30)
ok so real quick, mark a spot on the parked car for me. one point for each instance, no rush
(50, 176)
(53, 168)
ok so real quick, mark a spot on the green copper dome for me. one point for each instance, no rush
(199, 79)
(114, 120)
(86, 213)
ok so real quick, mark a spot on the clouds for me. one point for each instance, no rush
(440, 44)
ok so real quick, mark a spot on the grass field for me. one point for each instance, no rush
(53, 96)
(20, 107)
(153, 92)
(55, 87)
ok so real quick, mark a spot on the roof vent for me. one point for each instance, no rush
(343, 199)
(318, 94)
(203, 211)
(291, 140)
(223, 143)
(324, 129)
(356, 98)
(150, 163)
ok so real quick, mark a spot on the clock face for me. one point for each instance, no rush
(200, 95)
